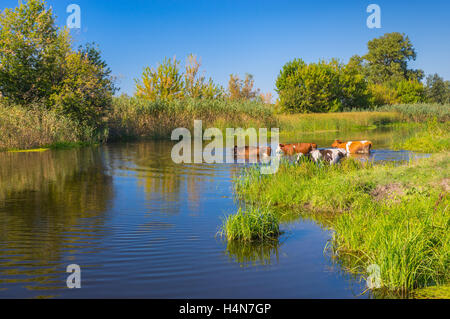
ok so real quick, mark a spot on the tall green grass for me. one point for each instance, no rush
(394, 216)
(324, 122)
(139, 118)
(251, 224)
(34, 126)
(430, 137)
(420, 112)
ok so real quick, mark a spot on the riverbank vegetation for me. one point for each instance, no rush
(394, 216)
(68, 95)
(133, 117)
(251, 224)
(380, 77)
(33, 126)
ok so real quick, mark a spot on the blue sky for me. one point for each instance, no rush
(255, 37)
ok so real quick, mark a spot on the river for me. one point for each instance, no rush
(140, 226)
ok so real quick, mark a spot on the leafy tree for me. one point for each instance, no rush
(37, 64)
(84, 93)
(320, 87)
(388, 57)
(242, 89)
(410, 91)
(91, 52)
(31, 52)
(165, 82)
(437, 90)
(196, 85)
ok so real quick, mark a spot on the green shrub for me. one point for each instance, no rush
(82, 95)
(410, 92)
(320, 87)
(381, 94)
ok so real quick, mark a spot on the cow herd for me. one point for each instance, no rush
(332, 155)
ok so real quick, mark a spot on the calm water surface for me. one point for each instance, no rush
(141, 226)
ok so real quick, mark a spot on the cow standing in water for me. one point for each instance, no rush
(330, 156)
(357, 147)
(249, 152)
(297, 148)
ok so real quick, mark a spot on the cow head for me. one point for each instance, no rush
(336, 143)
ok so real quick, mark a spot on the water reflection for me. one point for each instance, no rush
(253, 253)
(52, 205)
(142, 226)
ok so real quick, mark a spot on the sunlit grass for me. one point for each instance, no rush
(395, 216)
(420, 112)
(431, 137)
(326, 122)
(138, 118)
(251, 224)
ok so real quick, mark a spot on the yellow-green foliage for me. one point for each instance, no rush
(381, 94)
(430, 137)
(82, 95)
(320, 87)
(168, 83)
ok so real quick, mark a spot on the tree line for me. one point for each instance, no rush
(380, 77)
(39, 68)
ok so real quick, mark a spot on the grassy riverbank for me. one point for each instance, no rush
(133, 118)
(128, 118)
(396, 217)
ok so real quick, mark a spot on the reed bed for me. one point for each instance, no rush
(139, 118)
(33, 126)
(323, 122)
(420, 112)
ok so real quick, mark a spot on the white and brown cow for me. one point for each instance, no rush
(354, 147)
(331, 155)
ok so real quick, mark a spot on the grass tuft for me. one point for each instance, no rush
(252, 224)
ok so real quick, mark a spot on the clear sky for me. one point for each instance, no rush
(255, 37)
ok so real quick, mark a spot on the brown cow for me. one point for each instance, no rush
(297, 148)
(248, 152)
